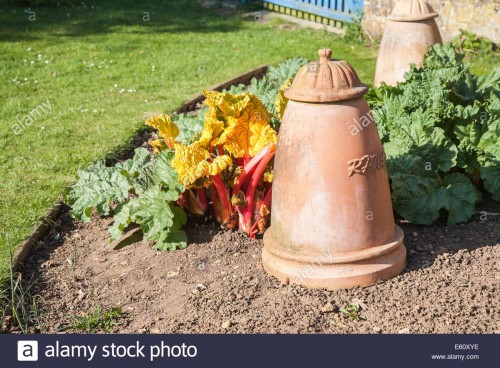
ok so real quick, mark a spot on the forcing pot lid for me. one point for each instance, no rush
(412, 11)
(326, 80)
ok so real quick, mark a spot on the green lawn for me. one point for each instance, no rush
(83, 79)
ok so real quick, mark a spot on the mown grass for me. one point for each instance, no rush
(103, 66)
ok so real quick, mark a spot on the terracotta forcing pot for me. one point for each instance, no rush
(332, 219)
(410, 29)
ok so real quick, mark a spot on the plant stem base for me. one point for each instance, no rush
(343, 274)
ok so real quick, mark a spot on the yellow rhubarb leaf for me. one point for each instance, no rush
(158, 145)
(261, 137)
(194, 162)
(212, 128)
(166, 128)
(227, 103)
(247, 129)
(281, 101)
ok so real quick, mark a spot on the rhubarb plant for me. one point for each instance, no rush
(441, 133)
(218, 160)
(229, 162)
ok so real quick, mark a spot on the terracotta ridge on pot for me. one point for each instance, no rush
(332, 220)
(326, 80)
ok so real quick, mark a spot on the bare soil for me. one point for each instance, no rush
(217, 284)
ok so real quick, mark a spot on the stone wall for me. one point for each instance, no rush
(481, 17)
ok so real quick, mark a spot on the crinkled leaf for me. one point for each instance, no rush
(490, 140)
(285, 70)
(122, 219)
(467, 157)
(266, 91)
(461, 198)
(436, 151)
(96, 188)
(138, 169)
(212, 128)
(133, 166)
(172, 240)
(193, 162)
(489, 83)
(189, 126)
(418, 199)
(166, 128)
(236, 89)
(491, 177)
(153, 211)
(247, 128)
(281, 101)
(164, 173)
(444, 119)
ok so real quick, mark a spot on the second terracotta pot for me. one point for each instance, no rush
(410, 29)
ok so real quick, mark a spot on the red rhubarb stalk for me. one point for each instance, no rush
(221, 190)
(215, 201)
(202, 198)
(193, 204)
(248, 213)
(268, 198)
(248, 168)
(226, 209)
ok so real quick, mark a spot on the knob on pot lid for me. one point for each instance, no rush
(326, 80)
(412, 11)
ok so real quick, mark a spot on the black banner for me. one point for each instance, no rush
(249, 350)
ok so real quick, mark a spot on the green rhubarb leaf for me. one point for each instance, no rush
(133, 166)
(468, 157)
(491, 177)
(282, 72)
(189, 126)
(171, 237)
(96, 188)
(388, 115)
(417, 199)
(489, 83)
(408, 164)
(236, 89)
(490, 140)
(122, 219)
(139, 170)
(153, 211)
(172, 240)
(420, 199)
(461, 198)
(266, 91)
(164, 174)
(436, 151)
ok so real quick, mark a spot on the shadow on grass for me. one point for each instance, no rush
(100, 17)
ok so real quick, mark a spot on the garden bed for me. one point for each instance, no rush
(217, 284)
